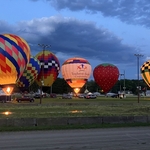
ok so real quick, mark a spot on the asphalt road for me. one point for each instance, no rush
(137, 138)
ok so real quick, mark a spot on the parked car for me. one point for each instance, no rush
(53, 95)
(25, 98)
(37, 95)
(115, 96)
(97, 93)
(81, 96)
(90, 96)
(66, 96)
(110, 94)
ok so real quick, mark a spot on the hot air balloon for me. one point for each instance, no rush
(50, 71)
(145, 72)
(106, 75)
(14, 56)
(30, 73)
(76, 72)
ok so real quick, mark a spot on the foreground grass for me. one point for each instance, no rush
(50, 107)
(67, 127)
(101, 106)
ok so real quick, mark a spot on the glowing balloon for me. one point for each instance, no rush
(30, 73)
(14, 56)
(8, 90)
(145, 72)
(51, 69)
(76, 72)
(76, 90)
(106, 75)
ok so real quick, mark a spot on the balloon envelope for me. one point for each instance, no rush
(145, 72)
(51, 69)
(14, 56)
(76, 71)
(106, 75)
(30, 73)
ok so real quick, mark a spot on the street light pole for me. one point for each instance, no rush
(138, 57)
(120, 81)
(42, 68)
(124, 85)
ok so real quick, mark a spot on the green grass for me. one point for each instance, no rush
(67, 127)
(57, 107)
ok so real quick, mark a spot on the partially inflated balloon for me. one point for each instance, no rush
(30, 73)
(14, 56)
(106, 75)
(76, 72)
(145, 72)
(51, 69)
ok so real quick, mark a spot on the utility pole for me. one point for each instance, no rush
(138, 57)
(120, 81)
(44, 46)
(124, 86)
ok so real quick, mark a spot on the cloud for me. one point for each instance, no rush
(6, 28)
(129, 11)
(72, 37)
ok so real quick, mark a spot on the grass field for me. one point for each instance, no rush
(57, 107)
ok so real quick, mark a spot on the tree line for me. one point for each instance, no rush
(60, 86)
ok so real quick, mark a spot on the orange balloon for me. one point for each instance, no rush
(76, 71)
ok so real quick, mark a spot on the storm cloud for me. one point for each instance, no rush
(129, 11)
(74, 37)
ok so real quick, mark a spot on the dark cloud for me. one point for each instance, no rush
(73, 37)
(129, 11)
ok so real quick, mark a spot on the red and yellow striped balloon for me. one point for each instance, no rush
(14, 56)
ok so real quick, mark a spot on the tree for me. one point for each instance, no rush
(60, 86)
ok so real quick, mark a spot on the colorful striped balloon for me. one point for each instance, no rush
(14, 56)
(145, 72)
(30, 73)
(50, 71)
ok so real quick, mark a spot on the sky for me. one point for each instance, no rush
(101, 31)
